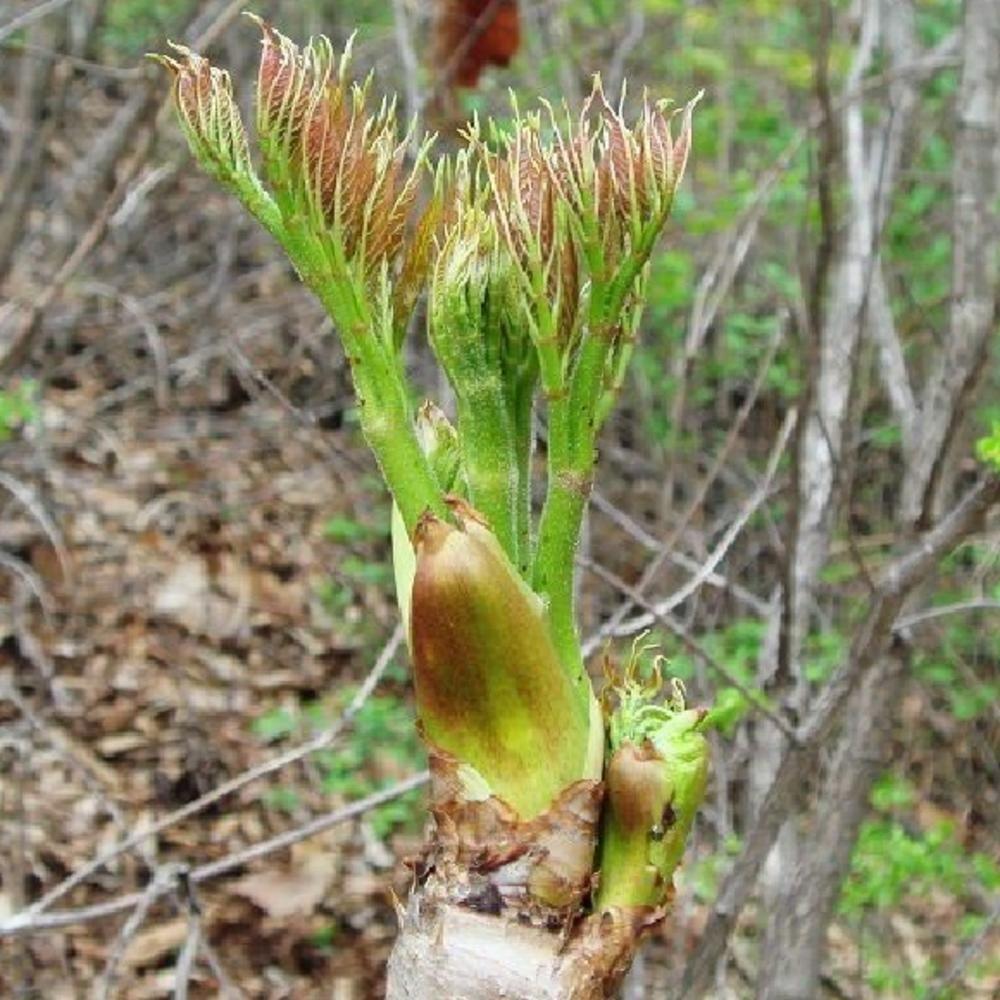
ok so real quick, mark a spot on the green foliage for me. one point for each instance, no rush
(129, 25)
(345, 530)
(967, 696)
(383, 737)
(706, 873)
(988, 447)
(18, 406)
(895, 862)
(274, 724)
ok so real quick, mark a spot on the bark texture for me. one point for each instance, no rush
(496, 908)
(871, 154)
(801, 759)
(797, 932)
(450, 951)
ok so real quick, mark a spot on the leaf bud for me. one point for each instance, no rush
(203, 98)
(656, 778)
(490, 688)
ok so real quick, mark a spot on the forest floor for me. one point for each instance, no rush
(216, 563)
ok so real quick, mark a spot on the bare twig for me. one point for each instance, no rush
(932, 614)
(164, 882)
(968, 953)
(30, 16)
(707, 481)
(654, 615)
(24, 336)
(27, 498)
(318, 742)
(408, 57)
(186, 958)
(678, 558)
(632, 37)
(28, 922)
(895, 584)
(705, 571)
(31, 579)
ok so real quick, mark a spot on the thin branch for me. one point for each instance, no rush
(654, 615)
(408, 57)
(739, 522)
(678, 558)
(706, 570)
(187, 956)
(968, 953)
(31, 580)
(164, 882)
(871, 639)
(26, 496)
(24, 336)
(28, 922)
(318, 742)
(30, 16)
(708, 480)
(932, 614)
(632, 37)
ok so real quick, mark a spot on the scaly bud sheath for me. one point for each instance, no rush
(490, 689)
(655, 780)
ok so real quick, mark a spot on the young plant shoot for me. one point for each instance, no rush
(557, 825)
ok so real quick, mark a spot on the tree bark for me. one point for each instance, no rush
(871, 158)
(871, 640)
(497, 907)
(796, 942)
(450, 951)
(811, 896)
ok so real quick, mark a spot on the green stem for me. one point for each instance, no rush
(488, 457)
(386, 417)
(558, 537)
(627, 877)
(524, 441)
(387, 424)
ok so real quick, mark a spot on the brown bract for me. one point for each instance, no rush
(484, 856)
(636, 784)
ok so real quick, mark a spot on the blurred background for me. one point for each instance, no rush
(194, 548)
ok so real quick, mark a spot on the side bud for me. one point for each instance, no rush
(490, 689)
(656, 777)
(662, 159)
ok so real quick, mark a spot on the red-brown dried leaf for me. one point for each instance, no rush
(474, 34)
